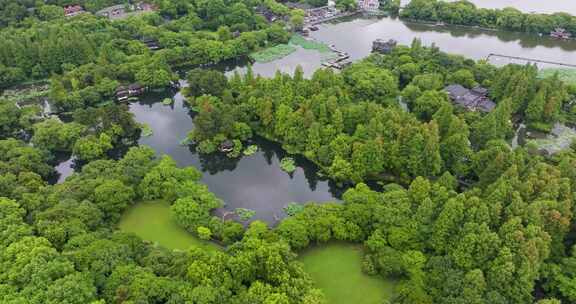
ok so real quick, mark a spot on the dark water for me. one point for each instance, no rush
(528, 6)
(255, 182)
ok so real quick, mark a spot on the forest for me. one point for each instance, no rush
(438, 199)
(463, 12)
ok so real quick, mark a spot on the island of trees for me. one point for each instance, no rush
(463, 12)
(460, 216)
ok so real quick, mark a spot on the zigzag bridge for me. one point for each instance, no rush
(531, 60)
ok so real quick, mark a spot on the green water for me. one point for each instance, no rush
(336, 269)
(151, 221)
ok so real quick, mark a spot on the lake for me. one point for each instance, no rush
(354, 35)
(256, 182)
(527, 6)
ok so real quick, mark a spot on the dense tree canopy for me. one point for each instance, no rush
(453, 213)
(463, 12)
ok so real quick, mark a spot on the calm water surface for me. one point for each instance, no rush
(528, 6)
(255, 182)
(355, 36)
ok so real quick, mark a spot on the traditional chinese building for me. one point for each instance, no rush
(123, 92)
(382, 46)
(475, 99)
(73, 10)
(369, 5)
(560, 33)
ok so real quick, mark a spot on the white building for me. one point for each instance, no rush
(369, 5)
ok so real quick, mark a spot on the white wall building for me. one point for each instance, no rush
(369, 5)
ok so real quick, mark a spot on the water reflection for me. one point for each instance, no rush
(355, 35)
(309, 60)
(254, 182)
(525, 40)
(527, 6)
(257, 182)
(65, 166)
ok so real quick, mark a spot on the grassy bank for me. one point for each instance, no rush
(152, 222)
(336, 268)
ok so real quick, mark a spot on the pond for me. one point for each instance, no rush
(560, 138)
(152, 222)
(336, 269)
(64, 168)
(254, 182)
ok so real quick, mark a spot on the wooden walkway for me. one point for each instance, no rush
(531, 60)
(326, 19)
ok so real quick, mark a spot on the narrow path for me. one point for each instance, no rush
(531, 60)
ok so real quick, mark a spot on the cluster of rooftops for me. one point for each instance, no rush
(113, 12)
(475, 99)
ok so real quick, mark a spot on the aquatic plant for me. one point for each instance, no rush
(273, 53)
(310, 44)
(282, 50)
(287, 164)
(293, 208)
(566, 75)
(244, 214)
(185, 141)
(250, 150)
(146, 130)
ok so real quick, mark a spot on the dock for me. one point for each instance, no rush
(330, 18)
(531, 60)
(339, 62)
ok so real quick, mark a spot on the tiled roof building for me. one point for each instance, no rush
(475, 99)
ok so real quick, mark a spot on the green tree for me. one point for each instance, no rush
(204, 81)
(112, 197)
(371, 83)
(56, 136)
(91, 147)
(204, 233)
